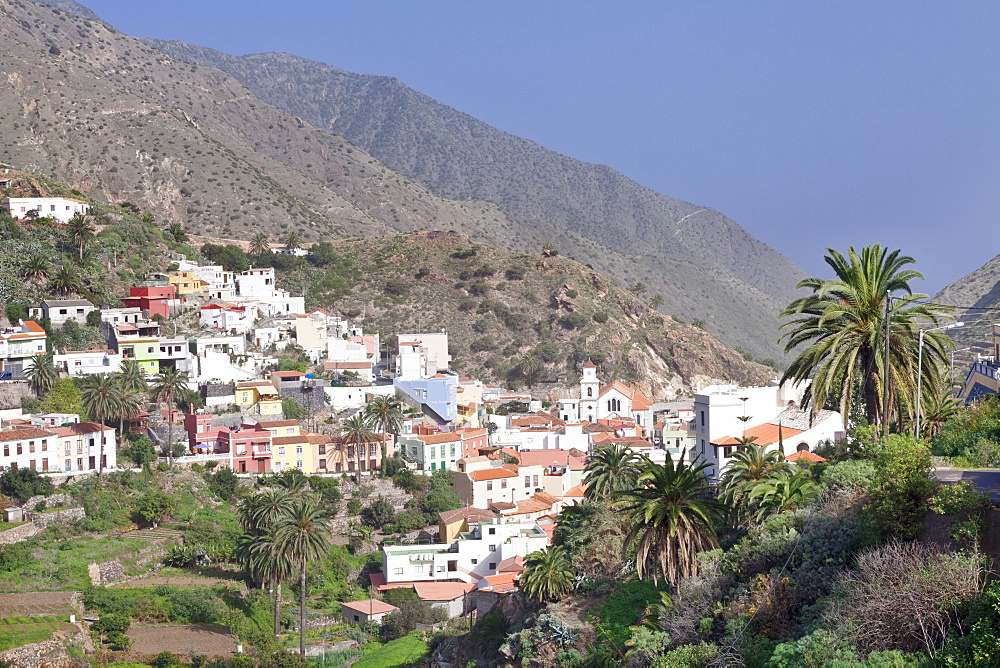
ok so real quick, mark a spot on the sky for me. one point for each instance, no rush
(812, 125)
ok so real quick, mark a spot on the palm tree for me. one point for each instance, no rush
(303, 533)
(132, 376)
(259, 516)
(778, 493)
(749, 466)
(178, 232)
(42, 373)
(547, 575)
(610, 469)
(385, 415)
(271, 565)
(530, 368)
(81, 232)
(259, 245)
(357, 432)
(166, 386)
(672, 513)
(843, 322)
(292, 242)
(101, 397)
(65, 280)
(147, 219)
(939, 407)
(36, 269)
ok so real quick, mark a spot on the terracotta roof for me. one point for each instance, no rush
(18, 434)
(370, 606)
(767, 434)
(492, 474)
(502, 505)
(34, 326)
(336, 366)
(478, 458)
(278, 423)
(253, 383)
(589, 365)
(442, 591)
(289, 440)
(513, 564)
(439, 438)
(576, 492)
(288, 374)
(596, 428)
(82, 428)
(501, 583)
(804, 455)
(470, 514)
(549, 457)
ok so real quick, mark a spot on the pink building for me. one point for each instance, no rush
(153, 301)
(250, 448)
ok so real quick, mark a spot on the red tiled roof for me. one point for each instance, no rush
(470, 514)
(442, 591)
(278, 423)
(493, 474)
(804, 455)
(513, 564)
(439, 438)
(18, 434)
(370, 606)
(576, 492)
(767, 434)
(288, 374)
(501, 583)
(335, 366)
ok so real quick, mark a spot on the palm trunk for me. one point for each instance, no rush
(277, 608)
(357, 456)
(302, 609)
(170, 433)
(100, 455)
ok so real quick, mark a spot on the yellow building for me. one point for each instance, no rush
(258, 395)
(187, 282)
(292, 452)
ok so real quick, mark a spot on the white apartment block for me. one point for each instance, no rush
(58, 208)
(86, 362)
(19, 344)
(72, 448)
(59, 311)
(432, 452)
(475, 554)
(435, 349)
(228, 318)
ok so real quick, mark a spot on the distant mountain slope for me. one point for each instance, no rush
(458, 156)
(977, 296)
(118, 120)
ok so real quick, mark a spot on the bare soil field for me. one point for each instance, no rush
(185, 640)
(179, 581)
(39, 602)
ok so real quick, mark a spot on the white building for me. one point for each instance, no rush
(434, 347)
(59, 311)
(476, 554)
(73, 448)
(85, 362)
(230, 345)
(615, 400)
(19, 345)
(227, 317)
(432, 452)
(775, 414)
(57, 208)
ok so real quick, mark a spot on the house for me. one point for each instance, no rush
(187, 282)
(475, 555)
(230, 345)
(432, 452)
(59, 311)
(61, 209)
(363, 370)
(343, 457)
(775, 419)
(19, 344)
(77, 447)
(485, 483)
(292, 452)
(154, 301)
(250, 448)
(432, 346)
(112, 317)
(75, 363)
(983, 377)
(369, 610)
(228, 318)
(436, 397)
(452, 597)
(130, 343)
(452, 523)
(258, 396)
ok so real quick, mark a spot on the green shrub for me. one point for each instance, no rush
(24, 483)
(112, 623)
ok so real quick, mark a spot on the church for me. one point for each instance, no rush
(614, 401)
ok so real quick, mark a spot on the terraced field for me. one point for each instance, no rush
(17, 631)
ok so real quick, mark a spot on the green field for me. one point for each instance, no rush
(17, 631)
(405, 651)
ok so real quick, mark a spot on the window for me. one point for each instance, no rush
(701, 415)
(489, 485)
(440, 569)
(281, 451)
(433, 452)
(6, 450)
(452, 566)
(493, 548)
(397, 571)
(590, 392)
(420, 568)
(503, 484)
(452, 450)
(536, 481)
(322, 449)
(493, 531)
(31, 447)
(19, 448)
(475, 561)
(527, 481)
(298, 449)
(493, 565)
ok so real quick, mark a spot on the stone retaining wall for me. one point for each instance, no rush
(50, 500)
(67, 516)
(17, 534)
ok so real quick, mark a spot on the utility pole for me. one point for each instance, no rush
(885, 371)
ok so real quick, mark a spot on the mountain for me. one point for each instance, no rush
(500, 307)
(120, 121)
(976, 297)
(665, 243)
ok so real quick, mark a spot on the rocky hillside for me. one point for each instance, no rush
(500, 308)
(674, 247)
(120, 121)
(977, 296)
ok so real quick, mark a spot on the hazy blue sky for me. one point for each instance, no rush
(812, 124)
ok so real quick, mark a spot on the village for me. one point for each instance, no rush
(517, 460)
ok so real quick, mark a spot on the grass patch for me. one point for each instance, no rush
(24, 634)
(62, 565)
(624, 607)
(10, 525)
(409, 650)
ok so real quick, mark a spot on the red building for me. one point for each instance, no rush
(250, 448)
(475, 442)
(153, 301)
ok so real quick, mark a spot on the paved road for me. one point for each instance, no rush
(986, 481)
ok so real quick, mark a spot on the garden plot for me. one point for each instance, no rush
(17, 631)
(36, 603)
(207, 641)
